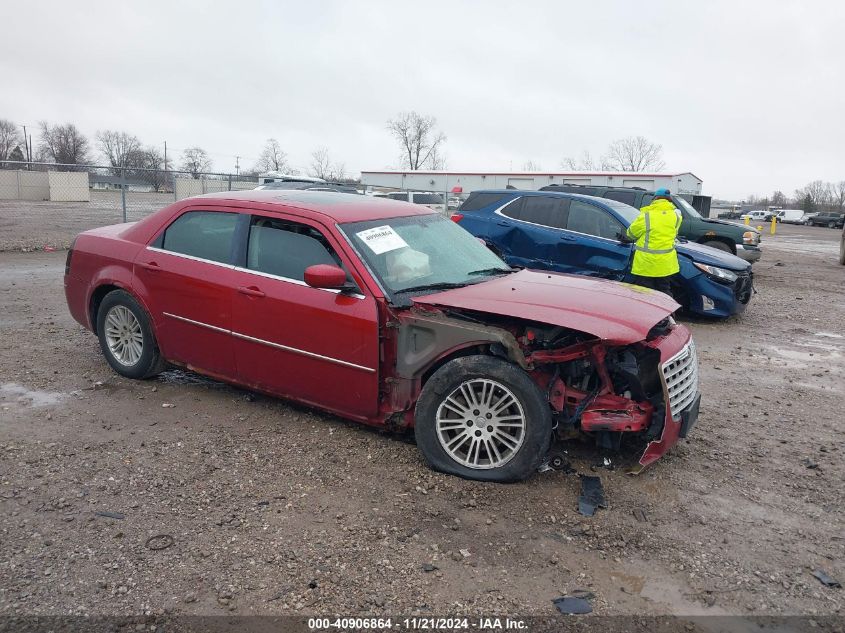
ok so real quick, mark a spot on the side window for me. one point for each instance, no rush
(590, 220)
(514, 209)
(402, 195)
(547, 211)
(204, 234)
(628, 197)
(286, 249)
(647, 200)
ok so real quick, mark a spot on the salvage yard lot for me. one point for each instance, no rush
(277, 509)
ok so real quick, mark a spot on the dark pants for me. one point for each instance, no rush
(661, 284)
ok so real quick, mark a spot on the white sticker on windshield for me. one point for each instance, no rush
(381, 239)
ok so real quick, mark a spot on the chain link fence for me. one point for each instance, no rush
(45, 205)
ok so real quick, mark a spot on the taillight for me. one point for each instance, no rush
(457, 217)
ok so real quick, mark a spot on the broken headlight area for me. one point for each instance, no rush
(604, 393)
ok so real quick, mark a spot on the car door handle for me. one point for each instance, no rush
(251, 291)
(567, 238)
(503, 223)
(152, 266)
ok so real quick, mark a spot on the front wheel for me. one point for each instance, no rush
(126, 336)
(831, 225)
(482, 418)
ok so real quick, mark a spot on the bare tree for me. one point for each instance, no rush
(10, 138)
(531, 165)
(418, 138)
(838, 190)
(635, 153)
(120, 149)
(323, 167)
(272, 158)
(584, 163)
(195, 160)
(63, 144)
(778, 199)
(148, 165)
(819, 192)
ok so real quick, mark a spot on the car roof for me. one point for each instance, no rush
(560, 194)
(339, 207)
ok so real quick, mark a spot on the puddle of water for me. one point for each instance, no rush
(19, 394)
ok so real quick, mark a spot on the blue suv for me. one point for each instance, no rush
(573, 233)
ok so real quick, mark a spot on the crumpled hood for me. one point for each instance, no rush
(615, 312)
(712, 256)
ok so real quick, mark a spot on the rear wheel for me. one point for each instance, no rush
(126, 337)
(718, 245)
(831, 225)
(482, 418)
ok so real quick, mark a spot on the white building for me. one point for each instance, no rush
(464, 182)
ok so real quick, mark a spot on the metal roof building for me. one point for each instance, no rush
(463, 182)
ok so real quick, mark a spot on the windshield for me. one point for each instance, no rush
(686, 206)
(422, 252)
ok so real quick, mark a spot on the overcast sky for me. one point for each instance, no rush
(749, 96)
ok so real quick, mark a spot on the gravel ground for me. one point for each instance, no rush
(32, 225)
(275, 509)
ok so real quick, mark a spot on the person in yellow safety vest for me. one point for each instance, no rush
(653, 233)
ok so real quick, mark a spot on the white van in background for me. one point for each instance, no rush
(790, 216)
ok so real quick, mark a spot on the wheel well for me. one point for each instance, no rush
(96, 299)
(472, 350)
(715, 238)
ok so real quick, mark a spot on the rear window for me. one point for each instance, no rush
(480, 200)
(203, 234)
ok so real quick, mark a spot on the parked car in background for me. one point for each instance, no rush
(428, 199)
(571, 233)
(830, 220)
(805, 219)
(743, 241)
(391, 315)
(790, 216)
(757, 216)
(309, 184)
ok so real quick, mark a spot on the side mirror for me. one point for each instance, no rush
(325, 276)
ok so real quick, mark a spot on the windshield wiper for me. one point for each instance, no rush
(492, 271)
(442, 285)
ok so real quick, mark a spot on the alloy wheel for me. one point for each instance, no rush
(124, 336)
(481, 424)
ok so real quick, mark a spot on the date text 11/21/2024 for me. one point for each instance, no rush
(417, 624)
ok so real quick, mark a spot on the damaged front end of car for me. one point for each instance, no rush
(608, 391)
(647, 390)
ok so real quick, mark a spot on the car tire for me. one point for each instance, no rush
(463, 428)
(831, 225)
(126, 337)
(718, 245)
(842, 250)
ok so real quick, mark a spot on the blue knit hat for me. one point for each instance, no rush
(662, 192)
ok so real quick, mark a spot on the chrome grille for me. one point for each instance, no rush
(681, 375)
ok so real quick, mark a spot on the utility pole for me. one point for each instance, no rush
(26, 146)
(237, 166)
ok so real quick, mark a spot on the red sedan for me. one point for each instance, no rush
(389, 314)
